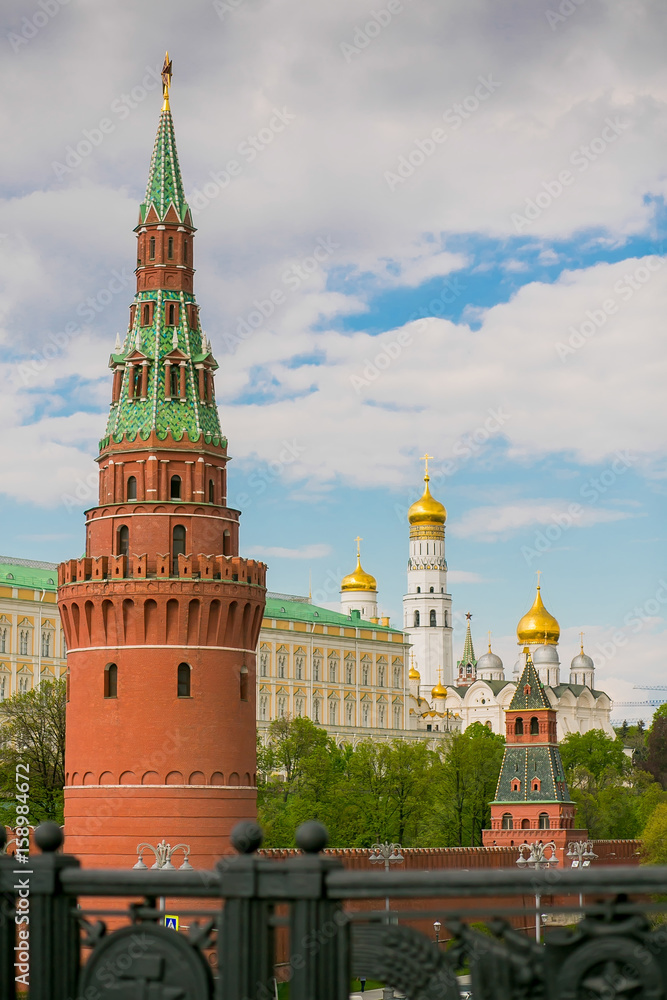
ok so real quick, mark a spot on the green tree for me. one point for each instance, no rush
(589, 758)
(654, 837)
(655, 761)
(32, 732)
(467, 781)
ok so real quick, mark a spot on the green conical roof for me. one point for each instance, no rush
(530, 691)
(468, 651)
(165, 184)
(527, 763)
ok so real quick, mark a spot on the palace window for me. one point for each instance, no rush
(365, 716)
(298, 707)
(298, 666)
(317, 664)
(263, 707)
(397, 676)
(23, 642)
(431, 618)
(381, 675)
(282, 662)
(364, 673)
(46, 644)
(381, 716)
(263, 664)
(111, 680)
(397, 716)
(349, 713)
(282, 706)
(348, 673)
(3, 640)
(183, 684)
(332, 713)
(132, 488)
(3, 688)
(24, 685)
(333, 664)
(316, 710)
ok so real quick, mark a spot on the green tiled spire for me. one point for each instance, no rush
(165, 184)
(527, 763)
(468, 651)
(530, 691)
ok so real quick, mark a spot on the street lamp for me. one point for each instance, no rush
(537, 858)
(163, 855)
(386, 854)
(582, 853)
(436, 927)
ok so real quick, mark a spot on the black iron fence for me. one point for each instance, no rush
(77, 934)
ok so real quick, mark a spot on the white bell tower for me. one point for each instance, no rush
(427, 607)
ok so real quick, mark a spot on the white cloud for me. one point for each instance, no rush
(465, 576)
(489, 523)
(315, 551)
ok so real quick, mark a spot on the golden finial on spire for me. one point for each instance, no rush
(581, 639)
(358, 540)
(539, 574)
(489, 634)
(166, 81)
(425, 459)
(414, 674)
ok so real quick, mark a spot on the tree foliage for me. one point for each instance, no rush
(398, 790)
(32, 732)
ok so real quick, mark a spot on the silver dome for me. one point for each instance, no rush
(582, 661)
(546, 654)
(489, 661)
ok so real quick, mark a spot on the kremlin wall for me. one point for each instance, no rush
(176, 654)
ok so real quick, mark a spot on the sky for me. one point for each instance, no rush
(459, 210)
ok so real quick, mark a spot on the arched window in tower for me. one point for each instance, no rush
(226, 543)
(431, 590)
(175, 488)
(431, 618)
(211, 491)
(174, 382)
(183, 683)
(416, 619)
(507, 822)
(243, 683)
(177, 547)
(185, 251)
(171, 313)
(136, 381)
(419, 590)
(543, 821)
(446, 619)
(518, 727)
(170, 248)
(123, 541)
(132, 488)
(111, 680)
(151, 248)
(534, 726)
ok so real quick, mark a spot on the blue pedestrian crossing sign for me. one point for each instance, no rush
(172, 922)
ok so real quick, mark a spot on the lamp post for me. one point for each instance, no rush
(537, 858)
(582, 853)
(163, 855)
(436, 927)
(386, 854)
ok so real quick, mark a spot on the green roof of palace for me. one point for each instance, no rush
(29, 573)
(299, 610)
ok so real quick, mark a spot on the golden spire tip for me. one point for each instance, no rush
(166, 81)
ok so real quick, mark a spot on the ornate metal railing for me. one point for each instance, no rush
(309, 920)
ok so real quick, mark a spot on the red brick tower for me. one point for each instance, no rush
(532, 799)
(161, 616)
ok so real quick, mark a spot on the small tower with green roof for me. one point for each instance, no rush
(532, 800)
(466, 667)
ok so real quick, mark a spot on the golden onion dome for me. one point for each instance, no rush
(359, 579)
(537, 625)
(414, 674)
(427, 510)
(439, 691)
